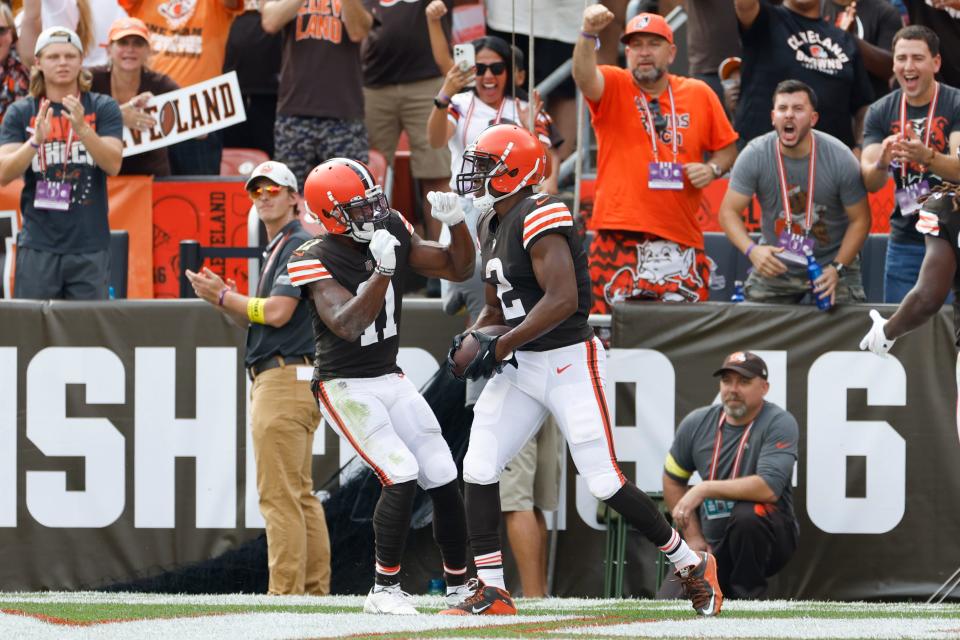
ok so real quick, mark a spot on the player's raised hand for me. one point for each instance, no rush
(383, 249)
(876, 340)
(595, 18)
(445, 207)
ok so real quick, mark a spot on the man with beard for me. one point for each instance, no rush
(811, 196)
(744, 450)
(914, 133)
(662, 138)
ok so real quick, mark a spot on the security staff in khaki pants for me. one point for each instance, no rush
(284, 413)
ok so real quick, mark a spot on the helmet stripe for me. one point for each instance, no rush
(362, 173)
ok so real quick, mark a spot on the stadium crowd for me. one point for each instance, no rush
(806, 105)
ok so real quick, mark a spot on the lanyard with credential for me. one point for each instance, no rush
(811, 183)
(469, 116)
(42, 156)
(269, 263)
(929, 126)
(716, 448)
(652, 129)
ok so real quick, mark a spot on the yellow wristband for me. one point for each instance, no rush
(255, 310)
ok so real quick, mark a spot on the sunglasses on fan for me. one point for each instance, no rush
(496, 68)
(269, 189)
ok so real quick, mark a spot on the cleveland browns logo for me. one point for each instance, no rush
(643, 22)
(177, 12)
(739, 357)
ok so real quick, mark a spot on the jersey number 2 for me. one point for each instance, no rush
(370, 334)
(511, 308)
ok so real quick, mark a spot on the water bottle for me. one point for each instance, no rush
(111, 294)
(737, 291)
(436, 587)
(813, 272)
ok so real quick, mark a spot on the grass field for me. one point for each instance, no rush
(101, 616)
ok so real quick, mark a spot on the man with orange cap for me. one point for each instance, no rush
(654, 130)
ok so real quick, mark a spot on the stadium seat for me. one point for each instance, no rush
(873, 260)
(731, 264)
(238, 161)
(119, 256)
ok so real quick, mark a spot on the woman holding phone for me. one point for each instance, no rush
(459, 116)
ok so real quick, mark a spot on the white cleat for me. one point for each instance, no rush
(461, 593)
(389, 600)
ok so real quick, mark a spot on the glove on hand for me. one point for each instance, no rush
(382, 248)
(445, 207)
(485, 363)
(876, 340)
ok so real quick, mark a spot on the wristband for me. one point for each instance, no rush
(33, 144)
(255, 310)
(385, 271)
(594, 37)
(223, 292)
(752, 246)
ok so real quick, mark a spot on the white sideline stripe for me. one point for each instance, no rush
(253, 626)
(818, 628)
(565, 605)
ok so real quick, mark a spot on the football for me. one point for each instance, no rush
(469, 347)
(168, 118)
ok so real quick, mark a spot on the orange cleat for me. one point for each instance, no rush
(485, 601)
(700, 584)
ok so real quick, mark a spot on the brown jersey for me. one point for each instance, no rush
(349, 262)
(937, 218)
(507, 265)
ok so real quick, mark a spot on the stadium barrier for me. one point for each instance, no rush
(124, 446)
(158, 213)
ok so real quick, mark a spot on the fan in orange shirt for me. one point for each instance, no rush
(654, 130)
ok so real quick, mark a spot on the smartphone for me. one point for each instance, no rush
(464, 57)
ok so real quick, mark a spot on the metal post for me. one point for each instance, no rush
(189, 259)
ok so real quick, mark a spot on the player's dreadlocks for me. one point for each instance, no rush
(946, 188)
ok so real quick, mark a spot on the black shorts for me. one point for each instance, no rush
(44, 275)
(547, 56)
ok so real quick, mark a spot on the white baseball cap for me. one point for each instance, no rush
(275, 172)
(54, 35)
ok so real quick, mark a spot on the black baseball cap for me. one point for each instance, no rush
(747, 364)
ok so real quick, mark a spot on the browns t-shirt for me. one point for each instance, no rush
(320, 75)
(623, 200)
(188, 37)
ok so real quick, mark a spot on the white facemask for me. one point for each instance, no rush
(363, 232)
(483, 203)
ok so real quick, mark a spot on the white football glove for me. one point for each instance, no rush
(445, 207)
(876, 340)
(382, 248)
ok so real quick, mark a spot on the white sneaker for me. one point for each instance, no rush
(391, 600)
(461, 593)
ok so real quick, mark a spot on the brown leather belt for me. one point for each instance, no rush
(276, 361)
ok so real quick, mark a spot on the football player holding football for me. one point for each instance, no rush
(537, 281)
(354, 275)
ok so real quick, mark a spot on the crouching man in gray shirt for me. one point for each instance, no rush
(744, 450)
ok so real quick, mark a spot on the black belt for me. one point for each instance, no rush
(276, 361)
